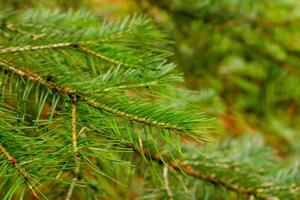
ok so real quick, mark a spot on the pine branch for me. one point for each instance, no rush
(131, 86)
(74, 126)
(103, 57)
(74, 79)
(35, 77)
(79, 45)
(74, 73)
(20, 170)
(92, 102)
(190, 171)
(75, 147)
(166, 183)
(35, 48)
(261, 191)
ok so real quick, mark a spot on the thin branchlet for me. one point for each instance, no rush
(78, 45)
(166, 183)
(103, 57)
(35, 77)
(131, 86)
(35, 48)
(75, 146)
(14, 28)
(19, 169)
(125, 115)
(74, 127)
(7, 155)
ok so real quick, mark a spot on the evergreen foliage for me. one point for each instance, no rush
(78, 96)
(88, 111)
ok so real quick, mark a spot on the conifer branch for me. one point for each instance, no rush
(130, 86)
(91, 101)
(74, 127)
(19, 169)
(128, 116)
(35, 48)
(166, 183)
(78, 45)
(181, 166)
(71, 188)
(35, 77)
(75, 147)
(103, 57)
(13, 28)
(73, 64)
(7, 155)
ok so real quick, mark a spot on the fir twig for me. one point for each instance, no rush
(19, 169)
(92, 102)
(35, 48)
(103, 57)
(166, 183)
(75, 147)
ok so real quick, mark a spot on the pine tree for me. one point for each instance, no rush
(88, 111)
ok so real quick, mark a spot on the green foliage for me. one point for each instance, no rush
(72, 100)
(90, 110)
